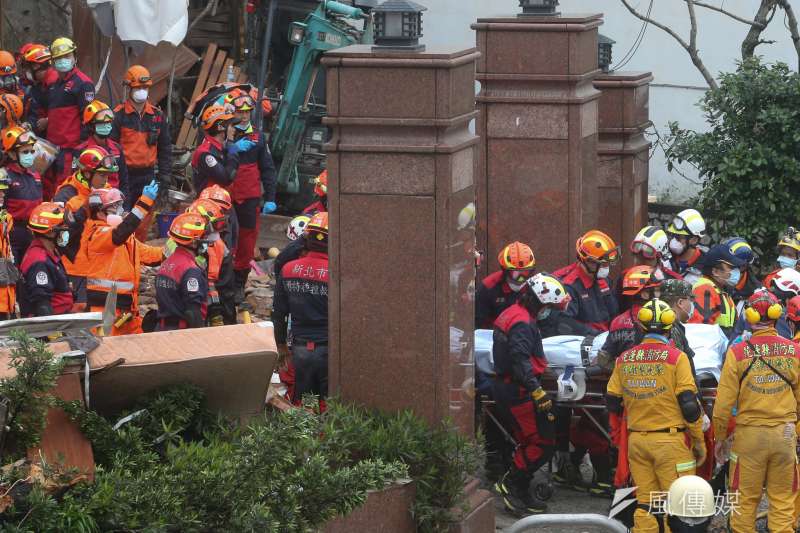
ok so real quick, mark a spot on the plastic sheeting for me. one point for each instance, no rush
(149, 21)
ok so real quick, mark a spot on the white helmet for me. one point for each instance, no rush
(649, 241)
(297, 226)
(571, 386)
(549, 290)
(787, 280)
(466, 217)
(688, 222)
(690, 497)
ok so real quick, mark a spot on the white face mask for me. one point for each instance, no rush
(139, 95)
(676, 246)
(516, 287)
(113, 220)
(213, 237)
(603, 272)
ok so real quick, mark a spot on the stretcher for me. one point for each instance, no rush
(571, 381)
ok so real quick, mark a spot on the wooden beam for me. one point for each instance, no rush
(208, 59)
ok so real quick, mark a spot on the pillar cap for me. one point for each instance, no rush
(366, 51)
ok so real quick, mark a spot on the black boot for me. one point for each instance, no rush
(569, 472)
(602, 482)
(241, 281)
(513, 488)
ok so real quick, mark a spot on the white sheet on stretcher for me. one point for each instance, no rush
(708, 342)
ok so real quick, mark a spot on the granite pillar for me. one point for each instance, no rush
(401, 196)
(538, 126)
(623, 154)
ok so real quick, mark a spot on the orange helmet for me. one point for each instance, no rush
(240, 100)
(317, 227)
(137, 76)
(95, 107)
(96, 159)
(638, 278)
(34, 53)
(217, 194)
(210, 210)
(597, 246)
(8, 65)
(321, 184)
(46, 217)
(187, 228)
(12, 107)
(516, 256)
(213, 114)
(16, 137)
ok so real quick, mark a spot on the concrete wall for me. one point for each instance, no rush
(677, 86)
(32, 21)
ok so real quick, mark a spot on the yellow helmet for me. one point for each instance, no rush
(791, 239)
(61, 47)
(688, 222)
(656, 316)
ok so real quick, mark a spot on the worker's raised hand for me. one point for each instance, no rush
(151, 190)
(269, 207)
(543, 402)
(242, 145)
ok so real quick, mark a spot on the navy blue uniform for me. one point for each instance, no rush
(212, 165)
(44, 288)
(23, 195)
(493, 297)
(593, 301)
(181, 291)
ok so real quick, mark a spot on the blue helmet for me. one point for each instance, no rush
(721, 253)
(741, 249)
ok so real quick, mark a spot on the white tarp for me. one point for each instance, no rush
(149, 21)
(707, 341)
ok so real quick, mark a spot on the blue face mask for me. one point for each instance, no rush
(63, 64)
(26, 160)
(103, 130)
(735, 278)
(242, 127)
(786, 262)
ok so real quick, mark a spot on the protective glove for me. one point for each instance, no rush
(542, 401)
(699, 452)
(242, 145)
(722, 450)
(706, 422)
(269, 207)
(151, 190)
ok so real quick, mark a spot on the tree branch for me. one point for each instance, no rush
(792, 22)
(690, 47)
(693, 24)
(734, 16)
(762, 18)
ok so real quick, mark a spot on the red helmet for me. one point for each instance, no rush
(34, 53)
(793, 309)
(218, 194)
(317, 227)
(96, 159)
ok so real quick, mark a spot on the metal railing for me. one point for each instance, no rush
(529, 523)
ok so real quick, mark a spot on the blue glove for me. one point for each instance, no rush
(269, 207)
(151, 190)
(242, 145)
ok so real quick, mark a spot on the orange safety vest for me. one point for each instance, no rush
(8, 293)
(116, 265)
(80, 265)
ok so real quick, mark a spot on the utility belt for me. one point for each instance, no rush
(98, 299)
(663, 430)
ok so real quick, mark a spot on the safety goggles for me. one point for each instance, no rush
(142, 80)
(611, 256)
(8, 69)
(104, 117)
(521, 275)
(644, 249)
(108, 164)
(243, 103)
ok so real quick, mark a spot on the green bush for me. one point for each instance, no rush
(750, 157)
(174, 467)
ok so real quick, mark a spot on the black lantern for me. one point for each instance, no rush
(398, 26)
(604, 45)
(538, 8)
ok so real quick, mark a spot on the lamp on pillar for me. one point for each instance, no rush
(604, 46)
(538, 8)
(398, 26)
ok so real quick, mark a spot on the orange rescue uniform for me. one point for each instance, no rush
(8, 291)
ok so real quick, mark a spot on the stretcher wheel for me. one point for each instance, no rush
(543, 491)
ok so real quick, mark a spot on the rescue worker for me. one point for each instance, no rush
(521, 403)
(256, 171)
(219, 265)
(99, 121)
(788, 253)
(181, 283)
(45, 288)
(215, 161)
(748, 282)
(321, 195)
(653, 388)
(499, 290)
(784, 284)
(713, 304)
(760, 378)
(650, 247)
(303, 295)
(25, 186)
(37, 75)
(65, 100)
(295, 232)
(9, 276)
(592, 301)
(144, 133)
(116, 257)
(678, 295)
(9, 81)
(222, 198)
(685, 232)
(94, 167)
(793, 317)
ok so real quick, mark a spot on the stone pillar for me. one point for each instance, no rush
(623, 154)
(401, 162)
(538, 126)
